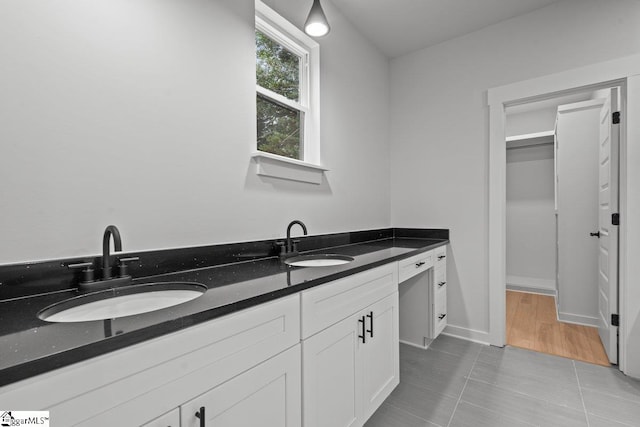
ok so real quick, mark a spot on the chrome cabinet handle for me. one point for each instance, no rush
(363, 337)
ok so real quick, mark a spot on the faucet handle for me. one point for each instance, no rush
(87, 271)
(282, 249)
(122, 265)
(294, 245)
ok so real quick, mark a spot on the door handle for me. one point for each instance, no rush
(596, 234)
(370, 316)
(363, 337)
(200, 415)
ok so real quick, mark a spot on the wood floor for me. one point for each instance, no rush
(532, 324)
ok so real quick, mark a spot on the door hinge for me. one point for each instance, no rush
(615, 118)
(615, 320)
(615, 219)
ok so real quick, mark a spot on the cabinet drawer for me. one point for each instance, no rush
(439, 280)
(327, 304)
(415, 265)
(439, 319)
(440, 257)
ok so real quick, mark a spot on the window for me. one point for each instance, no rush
(287, 89)
(280, 111)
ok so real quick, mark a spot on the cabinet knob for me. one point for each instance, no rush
(200, 415)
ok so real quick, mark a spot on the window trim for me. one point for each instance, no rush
(282, 31)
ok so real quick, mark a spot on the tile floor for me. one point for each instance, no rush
(459, 383)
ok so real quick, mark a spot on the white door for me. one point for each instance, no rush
(266, 395)
(608, 243)
(577, 214)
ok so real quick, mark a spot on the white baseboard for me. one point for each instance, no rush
(481, 337)
(578, 319)
(530, 290)
(531, 284)
(412, 344)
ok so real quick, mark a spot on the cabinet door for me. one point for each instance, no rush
(170, 419)
(379, 361)
(332, 377)
(266, 395)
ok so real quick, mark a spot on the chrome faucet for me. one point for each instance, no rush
(291, 247)
(110, 231)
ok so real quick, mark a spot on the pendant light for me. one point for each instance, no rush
(316, 24)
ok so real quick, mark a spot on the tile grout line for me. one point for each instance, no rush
(455, 408)
(499, 413)
(575, 370)
(411, 414)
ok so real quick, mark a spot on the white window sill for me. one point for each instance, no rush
(280, 167)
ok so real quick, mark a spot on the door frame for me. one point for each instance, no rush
(623, 72)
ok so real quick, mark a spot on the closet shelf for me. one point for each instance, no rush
(528, 139)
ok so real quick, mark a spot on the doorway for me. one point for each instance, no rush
(624, 72)
(555, 152)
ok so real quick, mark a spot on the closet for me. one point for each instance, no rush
(530, 211)
(552, 206)
(561, 182)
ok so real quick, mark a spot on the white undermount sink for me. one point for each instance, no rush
(121, 302)
(318, 260)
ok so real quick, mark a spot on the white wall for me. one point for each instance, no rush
(142, 114)
(531, 228)
(439, 125)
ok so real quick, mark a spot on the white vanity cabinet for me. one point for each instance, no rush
(423, 297)
(349, 347)
(325, 357)
(254, 350)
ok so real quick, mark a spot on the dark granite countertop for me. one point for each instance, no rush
(30, 346)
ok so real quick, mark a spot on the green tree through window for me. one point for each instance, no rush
(279, 125)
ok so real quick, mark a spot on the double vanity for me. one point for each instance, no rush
(267, 341)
